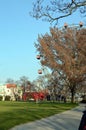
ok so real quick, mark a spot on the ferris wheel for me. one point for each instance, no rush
(44, 70)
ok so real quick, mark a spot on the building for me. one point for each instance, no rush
(10, 90)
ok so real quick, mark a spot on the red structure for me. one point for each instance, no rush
(33, 95)
(11, 85)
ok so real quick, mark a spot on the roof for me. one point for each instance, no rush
(11, 85)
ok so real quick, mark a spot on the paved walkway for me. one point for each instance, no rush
(68, 120)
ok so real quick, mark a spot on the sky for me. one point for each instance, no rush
(18, 33)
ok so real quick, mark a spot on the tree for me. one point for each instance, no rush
(64, 51)
(25, 83)
(53, 10)
(11, 81)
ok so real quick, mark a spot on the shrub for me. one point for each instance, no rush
(7, 98)
(1, 98)
(83, 101)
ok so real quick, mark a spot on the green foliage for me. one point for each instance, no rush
(1, 98)
(15, 113)
(7, 98)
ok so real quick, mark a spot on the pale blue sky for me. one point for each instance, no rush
(18, 32)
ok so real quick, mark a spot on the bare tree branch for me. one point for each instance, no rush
(54, 10)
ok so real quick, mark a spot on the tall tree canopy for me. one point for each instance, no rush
(64, 50)
(53, 10)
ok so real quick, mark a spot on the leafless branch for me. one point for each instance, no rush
(56, 9)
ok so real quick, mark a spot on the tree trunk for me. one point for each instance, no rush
(72, 96)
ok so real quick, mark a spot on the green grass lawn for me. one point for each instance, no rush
(14, 113)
